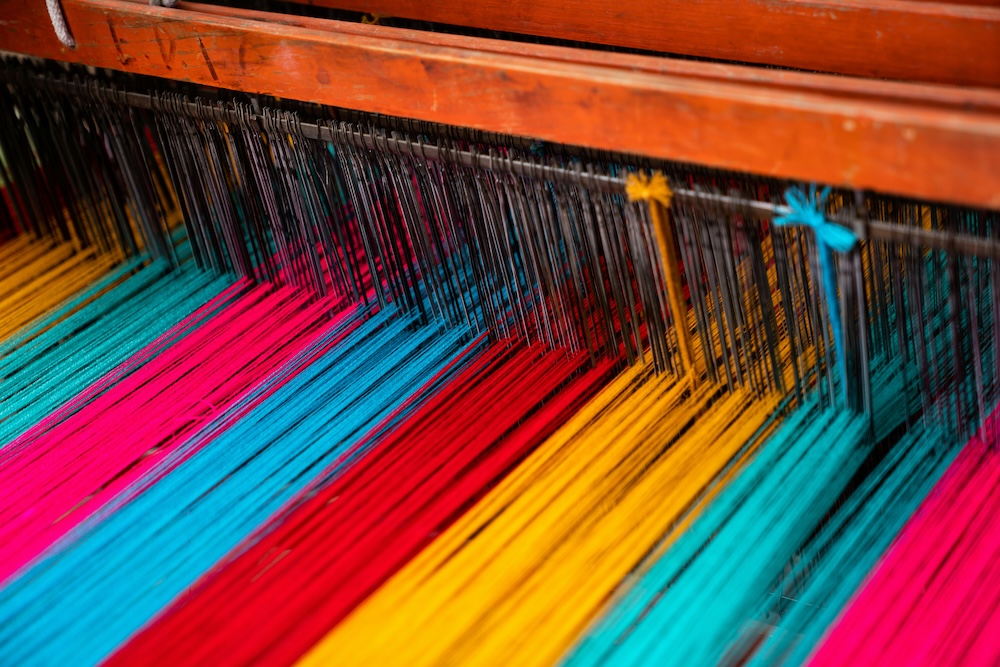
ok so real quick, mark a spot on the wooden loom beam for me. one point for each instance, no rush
(872, 89)
(907, 40)
(934, 143)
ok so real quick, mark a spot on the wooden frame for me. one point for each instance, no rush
(921, 141)
(951, 43)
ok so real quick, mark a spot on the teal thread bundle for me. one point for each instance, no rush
(848, 547)
(57, 357)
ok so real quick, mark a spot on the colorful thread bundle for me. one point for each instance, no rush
(932, 600)
(270, 400)
(219, 495)
(522, 572)
(744, 536)
(74, 346)
(182, 388)
(690, 605)
(352, 533)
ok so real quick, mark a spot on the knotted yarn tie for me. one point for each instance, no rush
(808, 212)
(654, 187)
(655, 190)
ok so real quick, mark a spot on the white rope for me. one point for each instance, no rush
(62, 29)
(59, 23)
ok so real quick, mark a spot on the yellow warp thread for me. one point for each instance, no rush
(36, 276)
(656, 192)
(522, 574)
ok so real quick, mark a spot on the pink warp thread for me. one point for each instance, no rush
(935, 597)
(66, 467)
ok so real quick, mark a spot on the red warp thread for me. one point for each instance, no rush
(272, 601)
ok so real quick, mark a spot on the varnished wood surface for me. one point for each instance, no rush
(934, 143)
(867, 89)
(954, 43)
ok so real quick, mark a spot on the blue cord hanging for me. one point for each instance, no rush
(808, 212)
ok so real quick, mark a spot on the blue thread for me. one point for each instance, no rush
(829, 236)
(67, 608)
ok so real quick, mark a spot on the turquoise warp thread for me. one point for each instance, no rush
(808, 212)
(688, 605)
(54, 358)
(850, 545)
(842, 554)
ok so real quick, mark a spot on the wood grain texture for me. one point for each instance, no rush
(966, 3)
(905, 40)
(933, 143)
(869, 89)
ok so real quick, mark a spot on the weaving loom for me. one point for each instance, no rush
(518, 333)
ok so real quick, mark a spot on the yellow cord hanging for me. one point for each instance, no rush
(655, 190)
